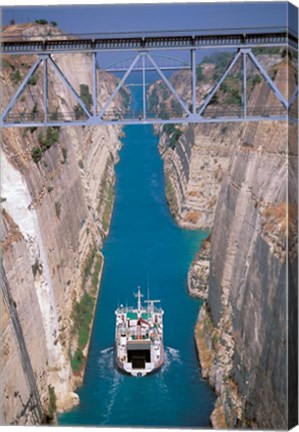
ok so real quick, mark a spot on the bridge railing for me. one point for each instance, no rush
(116, 115)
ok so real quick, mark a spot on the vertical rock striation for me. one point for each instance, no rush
(243, 327)
(56, 210)
(240, 181)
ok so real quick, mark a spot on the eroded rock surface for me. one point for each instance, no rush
(56, 210)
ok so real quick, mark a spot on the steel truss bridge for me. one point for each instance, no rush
(145, 58)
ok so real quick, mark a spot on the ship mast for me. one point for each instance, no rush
(139, 295)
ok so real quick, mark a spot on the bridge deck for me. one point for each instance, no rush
(74, 44)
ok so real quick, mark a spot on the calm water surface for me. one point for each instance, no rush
(144, 245)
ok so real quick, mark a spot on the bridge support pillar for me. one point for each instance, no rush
(94, 83)
(46, 89)
(193, 79)
(244, 89)
(143, 88)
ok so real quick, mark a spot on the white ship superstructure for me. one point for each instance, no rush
(139, 337)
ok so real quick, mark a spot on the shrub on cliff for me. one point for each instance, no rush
(36, 154)
(33, 80)
(175, 137)
(77, 360)
(86, 99)
(82, 317)
(16, 77)
(58, 209)
(41, 21)
(51, 137)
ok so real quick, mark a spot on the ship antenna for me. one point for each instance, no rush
(138, 295)
(139, 300)
(148, 292)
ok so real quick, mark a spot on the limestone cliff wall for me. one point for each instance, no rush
(243, 327)
(196, 156)
(55, 215)
(194, 170)
(241, 182)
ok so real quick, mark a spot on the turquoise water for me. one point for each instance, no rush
(144, 245)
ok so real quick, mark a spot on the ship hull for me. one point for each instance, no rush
(139, 349)
(149, 368)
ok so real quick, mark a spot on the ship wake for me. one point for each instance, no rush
(107, 372)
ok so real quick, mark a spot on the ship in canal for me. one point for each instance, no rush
(139, 348)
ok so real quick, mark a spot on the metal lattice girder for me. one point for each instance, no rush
(169, 85)
(137, 120)
(218, 84)
(269, 81)
(45, 59)
(12, 102)
(146, 62)
(244, 88)
(265, 75)
(164, 62)
(94, 83)
(46, 88)
(293, 97)
(241, 39)
(122, 81)
(69, 86)
(193, 80)
(143, 88)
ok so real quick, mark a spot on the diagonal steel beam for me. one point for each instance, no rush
(46, 89)
(293, 97)
(102, 112)
(68, 84)
(269, 81)
(193, 82)
(229, 67)
(12, 102)
(168, 84)
(143, 87)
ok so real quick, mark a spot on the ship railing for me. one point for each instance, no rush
(135, 335)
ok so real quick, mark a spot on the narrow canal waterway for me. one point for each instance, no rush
(144, 245)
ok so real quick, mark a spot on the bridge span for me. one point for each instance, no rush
(147, 55)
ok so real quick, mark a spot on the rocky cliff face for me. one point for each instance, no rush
(194, 169)
(57, 198)
(198, 274)
(196, 156)
(242, 332)
(240, 181)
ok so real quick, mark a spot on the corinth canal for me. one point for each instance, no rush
(144, 244)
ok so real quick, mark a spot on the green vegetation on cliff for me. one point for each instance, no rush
(107, 195)
(82, 317)
(83, 310)
(86, 99)
(174, 134)
(45, 143)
